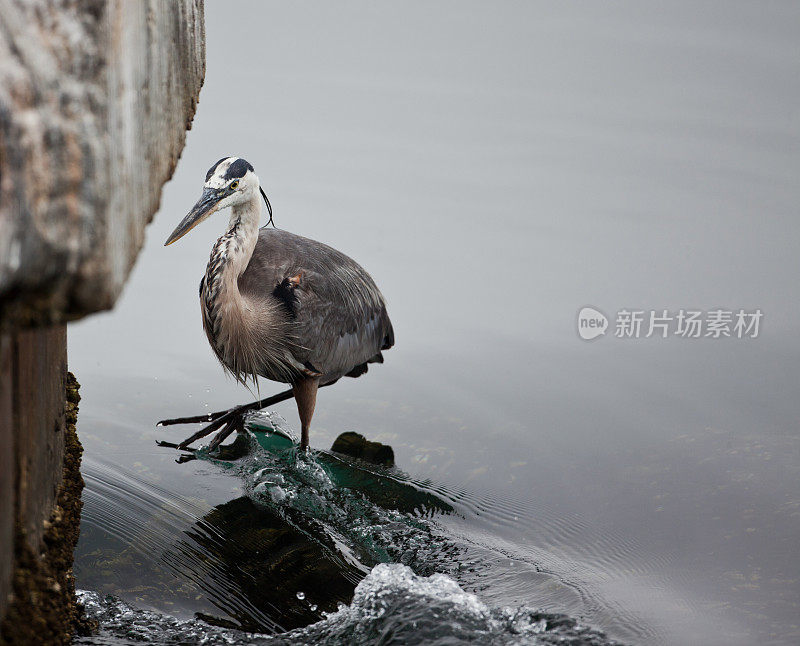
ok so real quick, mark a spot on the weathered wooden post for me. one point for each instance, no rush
(95, 100)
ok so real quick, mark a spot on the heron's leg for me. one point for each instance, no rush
(230, 420)
(305, 394)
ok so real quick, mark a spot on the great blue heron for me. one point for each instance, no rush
(277, 305)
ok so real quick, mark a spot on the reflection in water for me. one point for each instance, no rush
(309, 528)
(309, 548)
(255, 566)
(312, 529)
(303, 529)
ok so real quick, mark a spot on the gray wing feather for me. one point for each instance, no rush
(338, 314)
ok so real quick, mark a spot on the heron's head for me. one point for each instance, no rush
(229, 182)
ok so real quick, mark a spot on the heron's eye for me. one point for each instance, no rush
(234, 184)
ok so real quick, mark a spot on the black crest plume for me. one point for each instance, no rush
(269, 207)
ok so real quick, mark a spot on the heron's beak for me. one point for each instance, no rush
(205, 206)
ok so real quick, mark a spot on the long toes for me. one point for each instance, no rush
(195, 419)
(233, 425)
(213, 417)
(201, 433)
(185, 420)
(229, 420)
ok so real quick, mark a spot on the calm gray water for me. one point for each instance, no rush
(496, 168)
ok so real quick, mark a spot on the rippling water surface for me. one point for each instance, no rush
(496, 168)
(358, 552)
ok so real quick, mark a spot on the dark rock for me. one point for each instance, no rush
(357, 446)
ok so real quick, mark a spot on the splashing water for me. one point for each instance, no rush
(368, 514)
(391, 604)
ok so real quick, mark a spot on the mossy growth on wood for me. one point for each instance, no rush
(43, 608)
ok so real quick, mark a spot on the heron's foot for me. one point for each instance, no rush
(194, 419)
(226, 421)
